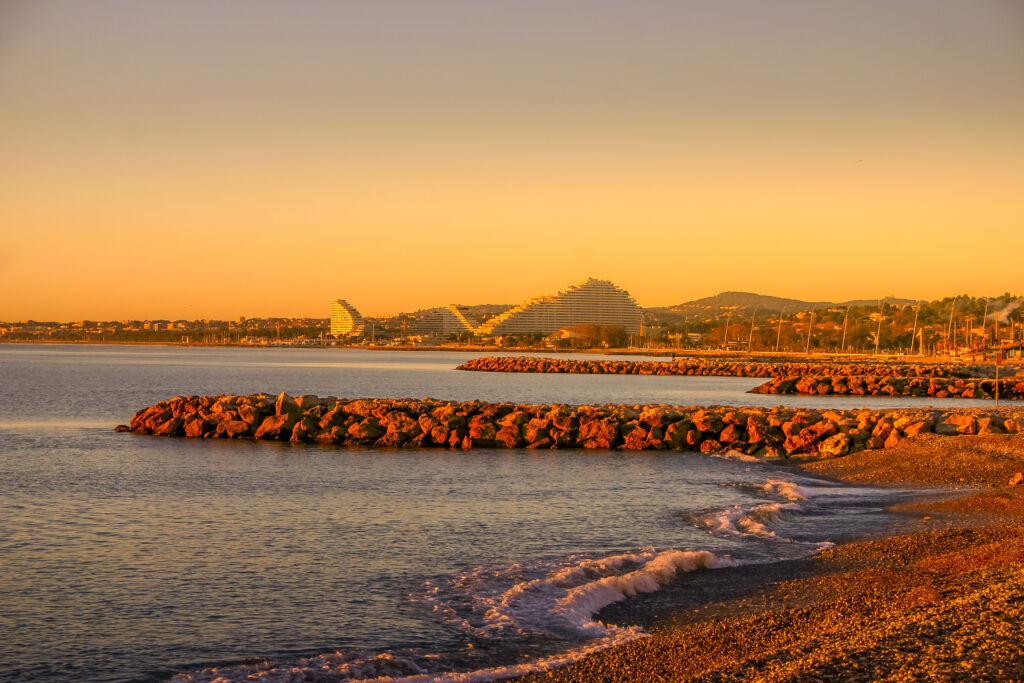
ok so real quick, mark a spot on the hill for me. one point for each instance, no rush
(746, 303)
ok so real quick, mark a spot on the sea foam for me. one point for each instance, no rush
(557, 599)
(563, 601)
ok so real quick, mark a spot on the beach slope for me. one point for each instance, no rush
(944, 603)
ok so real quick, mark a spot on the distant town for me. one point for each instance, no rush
(599, 315)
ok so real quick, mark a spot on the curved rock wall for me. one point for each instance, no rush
(710, 367)
(878, 385)
(774, 432)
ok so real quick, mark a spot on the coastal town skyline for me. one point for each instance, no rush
(189, 160)
(767, 304)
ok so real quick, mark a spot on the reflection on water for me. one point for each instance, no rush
(126, 557)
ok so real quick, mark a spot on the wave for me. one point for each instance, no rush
(554, 600)
(758, 520)
(562, 602)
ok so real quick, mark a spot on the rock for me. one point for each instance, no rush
(635, 438)
(1016, 479)
(835, 446)
(402, 425)
(711, 446)
(367, 431)
(956, 424)
(508, 437)
(536, 429)
(707, 422)
(306, 429)
(334, 417)
(286, 405)
(122, 428)
(675, 435)
(248, 413)
(331, 435)
(731, 434)
(915, 428)
(482, 431)
(600, 433)
(234, 429)
(276, 427)
(197, 427)
(990, 425)
(172, 427)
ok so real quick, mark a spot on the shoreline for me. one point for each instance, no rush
(668, 352)
(882, 608)
(943, 602)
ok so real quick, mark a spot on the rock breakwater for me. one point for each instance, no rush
(880, 385)
(428, 423)
(712, 367)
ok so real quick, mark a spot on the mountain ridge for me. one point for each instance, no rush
(743, 301)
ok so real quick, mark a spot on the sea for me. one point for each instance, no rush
(135, 558)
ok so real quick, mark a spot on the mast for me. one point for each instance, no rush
(846, 318)
(750, 338)
(878, 333)
(913, 335)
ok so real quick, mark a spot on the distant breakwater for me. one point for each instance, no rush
(427, 423)
(880, 385)
(710, 367)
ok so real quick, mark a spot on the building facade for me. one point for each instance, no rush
(345, 319)
(595, 302)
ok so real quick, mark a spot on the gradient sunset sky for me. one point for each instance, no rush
(205, 159)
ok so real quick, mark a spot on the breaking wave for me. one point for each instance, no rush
(551, 601)
(558, 600)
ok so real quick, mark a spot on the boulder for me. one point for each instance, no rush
(835, 446)
(918, 427)
(286, 405)
(366, 431)
(331, 435)
(233, 429)
(951, 425)
(402, 425)
(197, 427)
(536, 429)
(991, 425)
(482, 431)
(172, 427)
(711, 446)
(276, 427)
(635, 438)
(306, 429)
(508, 437)
(601, 433)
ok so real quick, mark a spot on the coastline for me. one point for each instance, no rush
(944, 602)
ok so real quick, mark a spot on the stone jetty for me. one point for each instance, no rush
(882, 385)
(428, 423)
(718, 367)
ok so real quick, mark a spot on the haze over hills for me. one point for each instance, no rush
(746, 302)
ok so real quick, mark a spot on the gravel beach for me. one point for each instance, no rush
(944, 603)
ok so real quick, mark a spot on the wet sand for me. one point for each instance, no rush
(945, 603)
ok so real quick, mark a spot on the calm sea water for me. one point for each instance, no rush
(124, 557)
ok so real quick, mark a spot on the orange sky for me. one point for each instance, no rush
(198, 159)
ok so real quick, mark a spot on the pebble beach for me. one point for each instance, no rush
(944, 602)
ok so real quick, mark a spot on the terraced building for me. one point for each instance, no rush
(595, 302)
(345, 319)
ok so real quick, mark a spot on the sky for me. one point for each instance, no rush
(210, 158)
